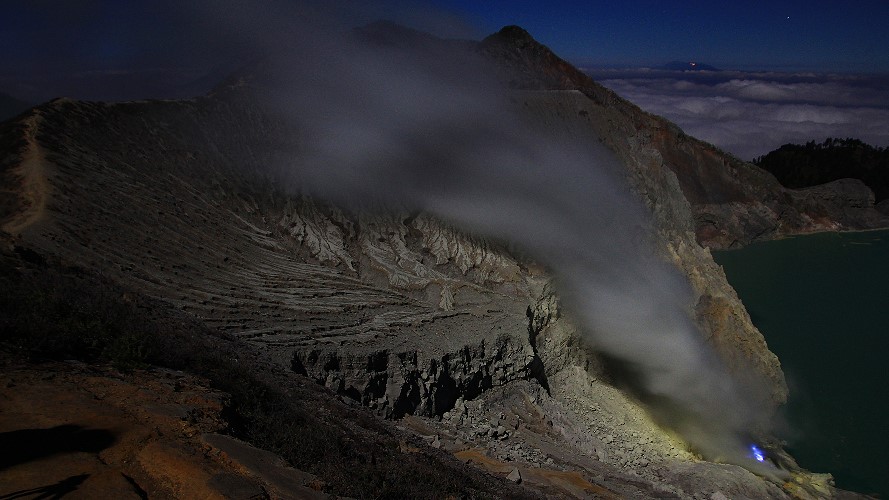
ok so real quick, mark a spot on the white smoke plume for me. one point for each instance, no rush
(426, 127)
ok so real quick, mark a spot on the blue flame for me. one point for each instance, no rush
(756, 453)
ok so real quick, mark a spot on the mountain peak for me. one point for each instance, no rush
(527, 63)
(513, 32)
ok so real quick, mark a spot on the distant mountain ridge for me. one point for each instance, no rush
(805, 165)
(689, 66)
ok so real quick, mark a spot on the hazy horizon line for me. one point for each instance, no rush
(727, 67)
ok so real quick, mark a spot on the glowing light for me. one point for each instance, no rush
(756, 453)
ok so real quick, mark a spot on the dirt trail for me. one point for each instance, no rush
(35, 188)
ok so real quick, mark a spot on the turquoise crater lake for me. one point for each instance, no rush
(822, 303)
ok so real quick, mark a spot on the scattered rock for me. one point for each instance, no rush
(515, 476)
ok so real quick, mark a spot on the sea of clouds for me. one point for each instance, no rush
(749, 114)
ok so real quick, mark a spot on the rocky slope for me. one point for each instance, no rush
(398, 310)
(70, 427)
(107, 392)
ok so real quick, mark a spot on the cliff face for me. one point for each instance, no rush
(678, 178)
(394, 309)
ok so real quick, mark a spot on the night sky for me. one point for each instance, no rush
(816, 34)
(49, 38)
(83, 48)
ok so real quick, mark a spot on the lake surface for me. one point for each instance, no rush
(822, 303)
